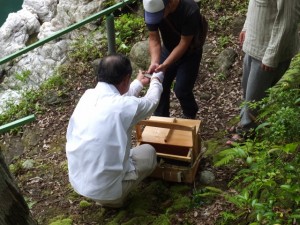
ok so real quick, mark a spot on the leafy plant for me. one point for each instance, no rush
(222, 8)
(205, 195)
(129, 29)
(267, 183)
(30, 202)
(221, 76)
(87, 48)
(224, 41)
(23, 76)
(30, 101)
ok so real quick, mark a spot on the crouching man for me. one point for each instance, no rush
(102, 165)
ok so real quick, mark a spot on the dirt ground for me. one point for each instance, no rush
(45, 185)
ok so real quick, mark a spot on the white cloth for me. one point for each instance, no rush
(99, 137)
(272, 30)
(159, 75)
(145, 161)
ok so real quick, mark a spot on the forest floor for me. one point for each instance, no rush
(46, 187)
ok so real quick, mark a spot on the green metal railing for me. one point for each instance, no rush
(111, 48)
(16, 123)
(110, 31)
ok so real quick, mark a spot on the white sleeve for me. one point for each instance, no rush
(148, 103)
(135, 88)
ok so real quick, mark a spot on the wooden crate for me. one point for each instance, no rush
(177, 144)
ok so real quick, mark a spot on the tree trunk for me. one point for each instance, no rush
(13, 208)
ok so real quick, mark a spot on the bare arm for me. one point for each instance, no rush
(154, 49)
(177, 53)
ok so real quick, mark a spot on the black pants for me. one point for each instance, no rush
(185, 71)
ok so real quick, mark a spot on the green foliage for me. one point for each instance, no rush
(223, 21)
(162, 220)
(227, 217)
(30, 102)
(268, 181)
(87, 48)
(65, 221)
(282, 125)
(84, 204)
(291, 78)
(224, 41)
(16, 168)
(205, 196)
(183, 202)
(108, 3)
(28, 105)
(23, 76)
(55, 82)
(129, 29)
(221, 5)
(30, 202)
(280, 111)
(226, 10)
(228, 155)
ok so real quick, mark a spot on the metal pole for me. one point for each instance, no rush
(16, 123)
(111, 39)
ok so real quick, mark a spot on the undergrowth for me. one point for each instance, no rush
(268, 183)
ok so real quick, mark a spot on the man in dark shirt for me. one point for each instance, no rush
(177, 23)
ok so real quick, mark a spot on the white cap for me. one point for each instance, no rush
(153, 6)
(154, 10)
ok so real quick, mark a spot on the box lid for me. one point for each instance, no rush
(174, 131)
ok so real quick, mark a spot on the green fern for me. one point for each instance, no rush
(228, 155)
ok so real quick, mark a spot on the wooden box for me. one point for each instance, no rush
(177, 144)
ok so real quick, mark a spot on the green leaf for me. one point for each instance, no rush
(285, 186)
(295, 216)
(259, 217)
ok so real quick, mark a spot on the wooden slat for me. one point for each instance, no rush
(176, 157)
(168, 125)
(170, 131)
(177, 174)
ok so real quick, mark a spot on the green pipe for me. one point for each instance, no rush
(104, 12)
(16, 123)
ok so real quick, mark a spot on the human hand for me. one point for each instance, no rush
(142, 78)
(160, 76)
(266, 68)
(152, 68)
(161, 68)
(242, 37)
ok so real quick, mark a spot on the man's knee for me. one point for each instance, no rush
(145, 159)
(151, 156)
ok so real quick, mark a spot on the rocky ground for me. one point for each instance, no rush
(41, 170)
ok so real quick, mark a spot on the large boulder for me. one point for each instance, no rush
(44, 9)
(16, 31)
(37, 20)
(139, 56)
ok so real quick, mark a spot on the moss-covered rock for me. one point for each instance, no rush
(61, 221)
